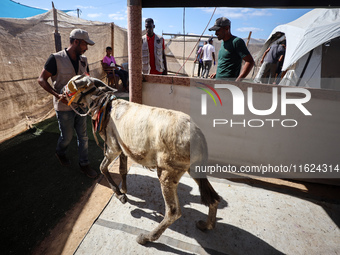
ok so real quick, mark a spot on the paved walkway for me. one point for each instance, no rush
(250, 221)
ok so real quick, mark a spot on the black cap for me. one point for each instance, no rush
(220, 22)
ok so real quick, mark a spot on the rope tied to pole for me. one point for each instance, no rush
(196, 42)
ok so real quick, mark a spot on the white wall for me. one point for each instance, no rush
(167, 96)
(315, 139)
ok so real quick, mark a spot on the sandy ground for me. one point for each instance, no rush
(68, 234)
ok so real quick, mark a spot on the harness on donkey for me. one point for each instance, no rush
(79, 87)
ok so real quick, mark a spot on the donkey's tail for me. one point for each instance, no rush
(208, 195)
(199, 157)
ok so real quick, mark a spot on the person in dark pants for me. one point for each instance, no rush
(208, 56)
(61, 67)
(110, 62)
(200, 60)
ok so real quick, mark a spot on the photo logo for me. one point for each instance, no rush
(204, 97)
(238, 101)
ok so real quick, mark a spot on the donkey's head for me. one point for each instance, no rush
(80, 88)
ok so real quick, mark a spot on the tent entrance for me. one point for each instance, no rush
(329, 64)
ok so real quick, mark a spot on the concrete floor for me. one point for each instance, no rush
(251, 220)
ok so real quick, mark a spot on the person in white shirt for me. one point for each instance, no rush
(208, 55)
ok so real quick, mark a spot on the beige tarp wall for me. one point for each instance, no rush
(25, 45)
(176, 48)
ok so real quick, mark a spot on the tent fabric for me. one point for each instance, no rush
(174, 53)
(306, 33)
(312, 74)
(25, 45)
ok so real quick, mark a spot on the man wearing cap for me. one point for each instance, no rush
(208, 55)
(232, 51)
(61, 67)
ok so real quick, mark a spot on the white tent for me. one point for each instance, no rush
(306, 39)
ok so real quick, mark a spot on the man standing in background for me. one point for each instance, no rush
(269, 62)
(199, 60)
(153, 55)
(233, 50)
(208, 55)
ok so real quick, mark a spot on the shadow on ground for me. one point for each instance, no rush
(228, 238)
(36, 191)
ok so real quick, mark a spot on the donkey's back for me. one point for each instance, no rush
(155, 137)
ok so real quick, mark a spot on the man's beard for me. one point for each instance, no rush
(79, 51)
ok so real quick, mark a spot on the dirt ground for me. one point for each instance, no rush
(68, 234)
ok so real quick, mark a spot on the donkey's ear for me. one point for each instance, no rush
(83, 81)
(72, 86)
(98, 83)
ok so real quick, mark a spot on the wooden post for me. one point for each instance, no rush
(113, 38)
(57, 37)
(249, 38)
(135, 49)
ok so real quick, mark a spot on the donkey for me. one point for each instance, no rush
(154, 137)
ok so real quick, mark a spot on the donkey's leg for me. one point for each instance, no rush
(123, 171)
(210, 198)
(104, 168)
(211, 221)
(169, 185)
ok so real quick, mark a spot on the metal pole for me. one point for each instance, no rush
(198, 36)
(184, 39)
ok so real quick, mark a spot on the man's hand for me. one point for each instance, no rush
(62, 98)
(212, 76)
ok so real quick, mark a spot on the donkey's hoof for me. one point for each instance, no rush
(122, 198)
(123, 190)
(201, 225)
(141, 239)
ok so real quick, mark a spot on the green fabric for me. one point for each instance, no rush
(230, 58)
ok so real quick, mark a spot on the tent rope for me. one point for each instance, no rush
(196, 42)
